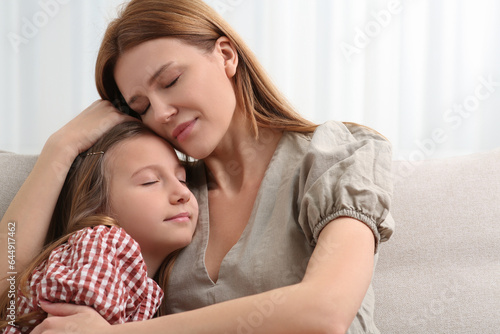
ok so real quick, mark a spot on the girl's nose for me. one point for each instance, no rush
(180, 194)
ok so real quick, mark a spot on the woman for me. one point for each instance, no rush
(291, 213)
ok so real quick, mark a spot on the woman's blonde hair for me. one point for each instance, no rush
(196, 24)
(83, 202)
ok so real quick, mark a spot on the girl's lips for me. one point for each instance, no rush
(183, 130)
(181, 217)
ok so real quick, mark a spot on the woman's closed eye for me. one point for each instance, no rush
(145, 110)
(142, 113)
(173, 82)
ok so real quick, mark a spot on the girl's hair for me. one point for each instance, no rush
(196, 24)
(83, 202)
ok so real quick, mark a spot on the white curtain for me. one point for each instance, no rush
(425, 73)
(47, 57)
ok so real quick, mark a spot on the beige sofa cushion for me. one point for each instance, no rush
(440, 272)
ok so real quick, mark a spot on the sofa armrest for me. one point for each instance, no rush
(14, 168)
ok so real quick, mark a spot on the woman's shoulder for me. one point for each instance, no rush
(344, 169)
(346, 132)
(334, 137)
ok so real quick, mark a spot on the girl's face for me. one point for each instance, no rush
(182, 93)
(149, 197)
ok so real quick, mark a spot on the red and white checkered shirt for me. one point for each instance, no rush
(101, 267)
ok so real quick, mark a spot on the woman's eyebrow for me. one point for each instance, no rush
(152, 79)
(159, 72)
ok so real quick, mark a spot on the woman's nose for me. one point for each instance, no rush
(162, 110)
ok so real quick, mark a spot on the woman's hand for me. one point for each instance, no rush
(83, 131)
(69, 319)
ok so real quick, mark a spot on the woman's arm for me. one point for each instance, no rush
(33, 205)
(326, 301)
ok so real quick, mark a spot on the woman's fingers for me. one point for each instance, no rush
(65, 309)
(83, 131)
(70, 318)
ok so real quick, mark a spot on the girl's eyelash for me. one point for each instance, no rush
(155, 181)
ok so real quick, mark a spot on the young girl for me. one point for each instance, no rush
(123, 211)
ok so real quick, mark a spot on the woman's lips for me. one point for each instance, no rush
(183, 130)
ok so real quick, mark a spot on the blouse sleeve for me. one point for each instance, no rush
(101, 267)
(346, 173)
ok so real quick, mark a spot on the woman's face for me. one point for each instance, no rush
(182, 93)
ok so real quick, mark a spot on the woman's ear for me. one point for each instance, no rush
(226, 49)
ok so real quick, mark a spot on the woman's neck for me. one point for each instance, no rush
(241, 160)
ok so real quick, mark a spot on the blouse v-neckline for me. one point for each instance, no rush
(248, 226)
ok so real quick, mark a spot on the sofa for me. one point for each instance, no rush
(440, 271)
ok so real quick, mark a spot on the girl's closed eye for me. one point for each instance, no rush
(148, 183)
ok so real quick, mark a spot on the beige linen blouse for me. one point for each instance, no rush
(339, 170)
